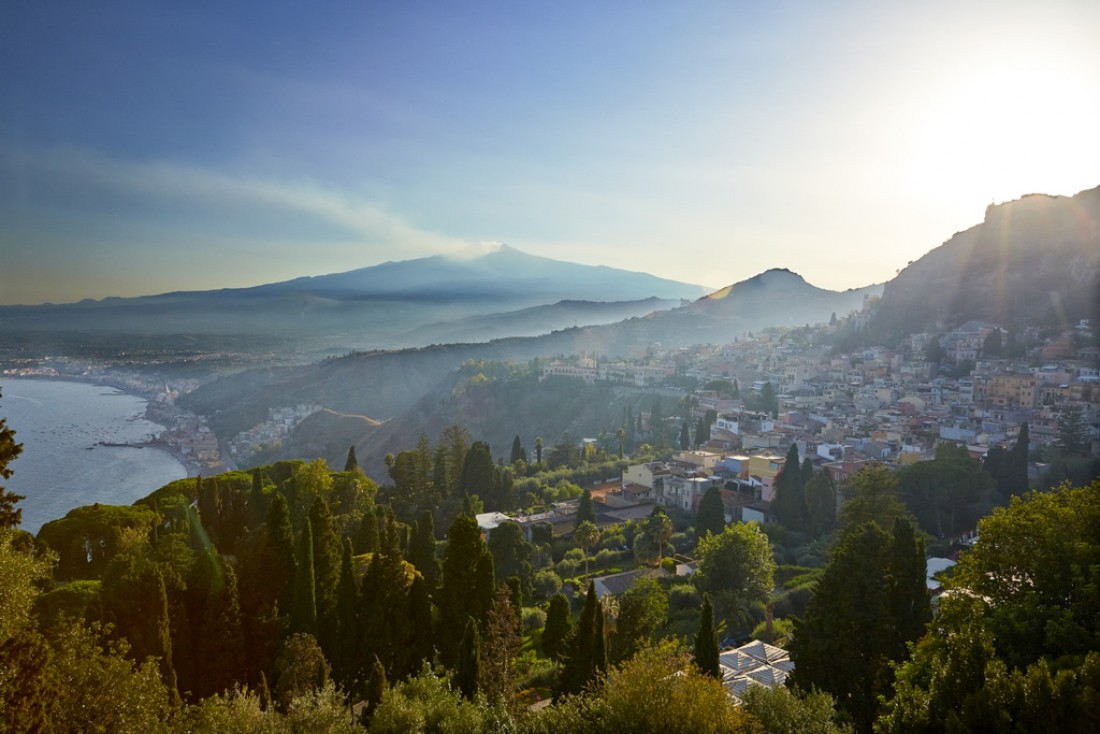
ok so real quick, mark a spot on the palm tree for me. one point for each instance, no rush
(586, 535)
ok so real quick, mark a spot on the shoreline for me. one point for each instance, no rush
(152, 413)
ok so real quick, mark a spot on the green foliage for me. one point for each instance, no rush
(1038, 563)
(301, 667)
(948, 494)
(868, 604)
(783, 711)
(558, 627)
(468, 665)
(789, 504)
(820, 496)
(1073, 437)
(585, 654)
(712, 513)
(86, 539)
(303, 613)
(736, 567)
(871, 495)
(642, 609)
(465, 592)
(425, 704)
(657, 691)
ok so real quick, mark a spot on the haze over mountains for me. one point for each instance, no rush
(383, 306)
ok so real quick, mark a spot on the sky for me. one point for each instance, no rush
(147, 147)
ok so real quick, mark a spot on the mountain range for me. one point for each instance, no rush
(391, 305)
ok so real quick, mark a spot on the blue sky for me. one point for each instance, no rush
(147, 147)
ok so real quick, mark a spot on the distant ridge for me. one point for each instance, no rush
(1035, 260)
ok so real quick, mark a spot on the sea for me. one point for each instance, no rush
(63, 465)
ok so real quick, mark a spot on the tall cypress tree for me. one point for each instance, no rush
(303, 614)
(347, 619)
(685, 436)
(467, 583)
(908, 587)
(326, 574)
(420, 644)
(581, 660)
(468, 666)
(280, 539)
(790, 503)
(518, 454)
(557, 629)
(352, 463)
(712, 513)
(422, 549)
(706, 642)
(586, 510)
(366, 536)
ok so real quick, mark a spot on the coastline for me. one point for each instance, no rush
(164, 415)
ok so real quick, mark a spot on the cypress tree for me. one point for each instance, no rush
(257, 501)
(326, 574)
(706, 642)
(347, 619)
(467, 583)
(303, 615)
(789, 503)
(599, 643)
(581, 663)
(420, 645)
(712, 513)
(352, 463)
(366, 537)
(685, 436)
(908, 587)
(518, 454)
(586, 510)
(376, 685)
(468, 666)
(280, 539)
(422, 549)
(558, 626)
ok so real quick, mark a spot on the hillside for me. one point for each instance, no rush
(1035, 260)
(384, 384)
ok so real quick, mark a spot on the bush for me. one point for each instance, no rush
(684, 596)
(544, 584)
(533, 618)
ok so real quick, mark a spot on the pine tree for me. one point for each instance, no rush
(557, 629)
(352, 463)
(706, 642)
(1072, 439)
(468, 665)
(303, 614)
(499, 647)
(10, 517)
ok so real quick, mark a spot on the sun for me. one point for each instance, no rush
(999, 131)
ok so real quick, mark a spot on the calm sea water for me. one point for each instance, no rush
(60, 425)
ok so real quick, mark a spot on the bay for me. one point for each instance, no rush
(61, 426)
